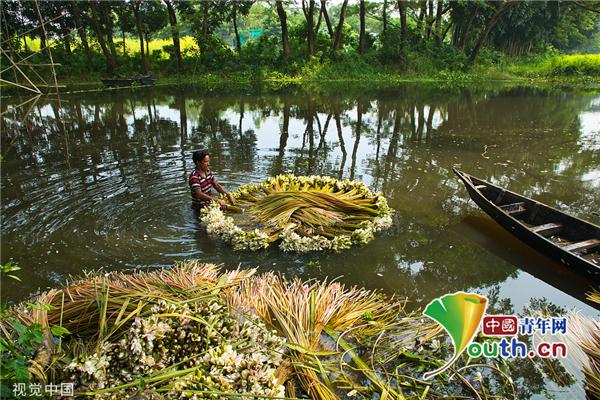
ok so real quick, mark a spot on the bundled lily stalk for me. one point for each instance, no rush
(301, 213)
(194, 332)
(586, 335)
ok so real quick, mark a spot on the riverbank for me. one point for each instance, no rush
(563, 71)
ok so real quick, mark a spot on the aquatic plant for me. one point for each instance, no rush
(303, 312)
(196, 332)
(594, 296)
(302, 213)
(586, 334)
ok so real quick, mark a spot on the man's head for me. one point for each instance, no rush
(201, 159)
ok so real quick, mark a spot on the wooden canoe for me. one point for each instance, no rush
(146, 80)
(569, 240)
(118, 82)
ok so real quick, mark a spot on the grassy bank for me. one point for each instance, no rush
(259, 64)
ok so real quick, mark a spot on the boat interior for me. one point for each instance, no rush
(570, 233)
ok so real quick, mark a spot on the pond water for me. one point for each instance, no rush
(99, 180)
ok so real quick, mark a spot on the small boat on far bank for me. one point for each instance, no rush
(567, 239)
(108, 83)
(125, 82)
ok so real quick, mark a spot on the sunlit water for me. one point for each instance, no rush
(100, 181)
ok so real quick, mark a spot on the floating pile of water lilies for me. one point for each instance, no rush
(302, 213)
(194, 332)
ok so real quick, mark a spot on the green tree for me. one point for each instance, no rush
(110, 60)
(154, 18)
(204, 17)
(138, 21)
(77, 10)
(174, 33)
(285, 44)
(337, 41)
(126, 21)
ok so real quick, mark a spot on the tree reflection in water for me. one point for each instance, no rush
(100, 181)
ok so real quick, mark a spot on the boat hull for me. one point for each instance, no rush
(524, 233)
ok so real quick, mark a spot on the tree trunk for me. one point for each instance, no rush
(384, 19)
(174, 34)
(488, 28)
(238, 42)
(110, 61)
(66, 36)
(138, 22)
(467, 30)
(80, 27)
(310, 32)
(362, 40)
(359, 113)
(445, 32)
(204, 32)
(319, 22)
(338, 125)
(182, 118)
(42, 31)
(327, 20)
(283, 138)
(147, 45)
(422, 12)
(124, 45)
(21, 20)
(109, 27)
(403, 26)
(438, 22)
(429, 21)
(455, 35)
(337, 42)
(284, 29)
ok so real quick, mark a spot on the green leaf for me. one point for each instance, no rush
(410, 355)
(15, 277)
(37, 336)
(59, 331)
(21, 373)
(9, 267)
(20, 328)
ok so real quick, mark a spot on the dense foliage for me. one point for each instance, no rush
(161, 37)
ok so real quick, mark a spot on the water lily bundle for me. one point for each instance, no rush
(195, 332)
(170, 332)
(301, 213)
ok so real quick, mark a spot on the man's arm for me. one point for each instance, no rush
(201, 196)
(204, 197)
(220, 189)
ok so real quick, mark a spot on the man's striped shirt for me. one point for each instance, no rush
(203, 183)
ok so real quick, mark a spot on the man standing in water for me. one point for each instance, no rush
(202, 180)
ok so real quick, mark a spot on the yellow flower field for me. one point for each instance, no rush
(132, 45)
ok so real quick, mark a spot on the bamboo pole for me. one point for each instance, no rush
(36, 90)
(32, 55)
(31, 68)
(49, 50)
(31, 30)
(21, 104)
